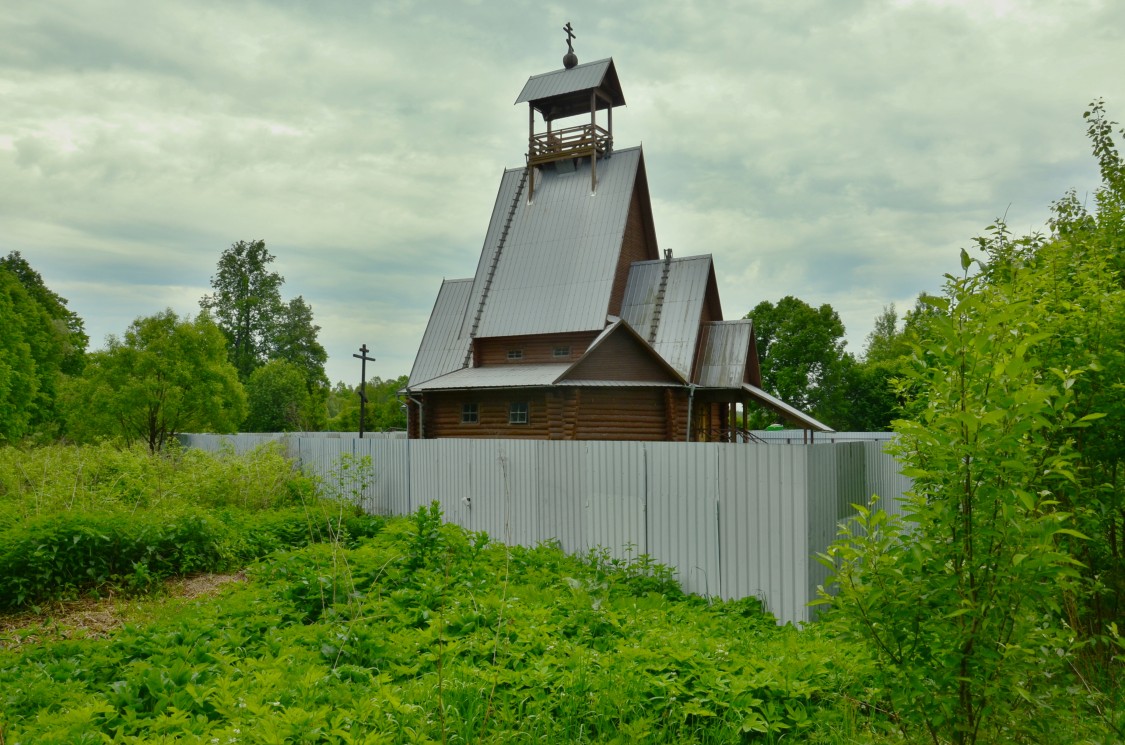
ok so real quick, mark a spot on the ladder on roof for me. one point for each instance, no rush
(494, 263)
(658, 303)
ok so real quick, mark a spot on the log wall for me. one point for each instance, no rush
(536, 349)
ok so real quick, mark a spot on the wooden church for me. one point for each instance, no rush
(576, 326)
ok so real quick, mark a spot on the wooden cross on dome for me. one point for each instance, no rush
(569, 37)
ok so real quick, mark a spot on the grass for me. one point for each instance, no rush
(350, 629)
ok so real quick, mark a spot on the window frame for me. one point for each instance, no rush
(561, 352)
(515, 354)
(519, 413)
(470, 412)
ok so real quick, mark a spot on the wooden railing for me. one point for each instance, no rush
(571, 142)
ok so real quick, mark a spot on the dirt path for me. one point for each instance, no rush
(98, 618)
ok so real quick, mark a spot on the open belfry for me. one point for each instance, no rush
(576, 326)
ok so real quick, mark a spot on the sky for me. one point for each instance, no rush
(840, 152)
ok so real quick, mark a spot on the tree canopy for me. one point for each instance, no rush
(260, 327)
(1014, 567)
(41, 341)
(801, 353)
(278, 399)
(165, 376)
(384, 409)
(246, 303)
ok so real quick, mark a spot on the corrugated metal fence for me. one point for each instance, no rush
(734, 520)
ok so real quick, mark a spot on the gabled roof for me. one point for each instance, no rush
(563, 93)
(557, 261)
(443, 349)
(598, 366)
(601, 361)
(675, 312)
(728, 348)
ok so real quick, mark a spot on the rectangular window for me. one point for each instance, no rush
(562, 351)
(469, 414)
(517, 412)
(515, 354)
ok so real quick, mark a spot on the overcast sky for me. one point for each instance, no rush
(841, 152)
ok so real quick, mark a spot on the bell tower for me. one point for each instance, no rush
(572, 92)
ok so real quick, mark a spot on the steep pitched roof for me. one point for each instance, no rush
(443, 349)
(563, 93)
(602, 360)
(598, 366)
(664, 303)
(551, 269)
(728, 358)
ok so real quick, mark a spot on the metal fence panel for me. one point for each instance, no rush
(837, 480)
(389, 492)
(762, 518)
(733, 520)
(561, 487)
(614, 498)
(884, 478)
(682, 512)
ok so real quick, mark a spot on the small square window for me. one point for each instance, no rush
(562, 351)
(470, 414)
(515, 354)
(517, 413)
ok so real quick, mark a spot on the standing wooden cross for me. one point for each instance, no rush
(569, 37)
(364, 359)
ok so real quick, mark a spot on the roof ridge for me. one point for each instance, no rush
(576, 67)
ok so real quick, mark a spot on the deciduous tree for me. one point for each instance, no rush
(67, 326)
(278, 399)
(246, 303)
(1012, 576)
(384, 409)
(165, 376)
(802, 358)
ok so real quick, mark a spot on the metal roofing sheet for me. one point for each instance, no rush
(562, 82)
(443, 348)
(555, 272)
(725, 353)
(496, 376)
(781, 407)
(679, 312)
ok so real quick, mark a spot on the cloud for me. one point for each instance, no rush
(839, 152)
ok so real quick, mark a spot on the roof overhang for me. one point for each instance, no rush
(564, 93)
(789, 413)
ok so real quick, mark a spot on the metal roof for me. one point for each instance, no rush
(555, 272)
(680, 309)
(621, 326)
(496, 376)
(791, 413)
(564, 93)
(726, 352)
(443, 348)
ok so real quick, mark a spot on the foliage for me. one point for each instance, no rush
(384, 409)
(126, 520)
(40, 341)
(67, 327)
(1000, 597)
(454, 638)
(167, 375)
(19, 374)
(261, 328)
(278, 399)
(802, 358)
(294, 341)
(245, 303)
